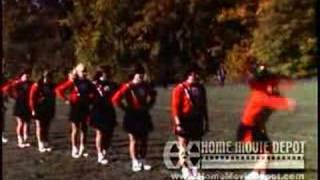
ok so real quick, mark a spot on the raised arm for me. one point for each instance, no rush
(62, 88)
(118, 96)
(9, 86)
(279, 103)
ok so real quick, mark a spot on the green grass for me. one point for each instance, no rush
(225, 106)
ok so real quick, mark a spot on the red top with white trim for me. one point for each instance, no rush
(40, 92)
(188, 98)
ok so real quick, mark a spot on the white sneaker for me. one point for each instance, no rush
(195, 175)
(4, 140)
(200, 177)
(136, 166)
(41, 147)
(263, 177)
(252, 176)
(25, 144)
(102, 160)
(74, 153)
(20, 142)
(145, 166)
(185, 172)
(20, 145)
(83, 152)
(47, 147)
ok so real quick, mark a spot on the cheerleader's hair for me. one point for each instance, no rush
(74, 72)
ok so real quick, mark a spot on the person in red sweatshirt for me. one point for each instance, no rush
(19, 89)
(140, 97)
(264, 98)
(80, 98)
(189, 114)
(103, 115)
(42, 102)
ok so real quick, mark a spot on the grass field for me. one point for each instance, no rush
(225, 105)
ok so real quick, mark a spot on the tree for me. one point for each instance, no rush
(32, 37)
(285, 38)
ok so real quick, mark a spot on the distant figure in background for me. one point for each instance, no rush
(263, 100)
(140, 97)
(103, 115)
(19, 89)
(80, 98)
(42, 102)
(189, 115)
(221, 75)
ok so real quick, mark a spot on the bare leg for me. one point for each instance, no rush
(99, 141)
(74, 134)
(143, 152)
(19, 131)
(182, 145)
(132, 147)
(83, 138)
(83, 134)
(25, 131)
(39, 133)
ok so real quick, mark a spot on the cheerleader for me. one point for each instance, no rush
(20, 90)
(103, 116)
(80, 97)
(264, 99)
(140, 97)
(189, 115)
(42, 104)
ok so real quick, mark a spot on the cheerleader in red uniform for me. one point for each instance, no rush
(103, 116)
(264, 98)
(189, 114)
(140, 98)
(42, 101)
(80, 97)
(20, 90)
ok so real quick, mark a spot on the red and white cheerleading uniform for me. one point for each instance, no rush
(103, 115)
(258, 108)
(139, 99)
(80, 97)
(20, 91)
(189, 105)
(42, 100)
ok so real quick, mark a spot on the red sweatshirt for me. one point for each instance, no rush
(7, 87)
(137, 96)
(40, 92)
(15, 88)
(77, 87)
(258, 101)
(181, 100)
